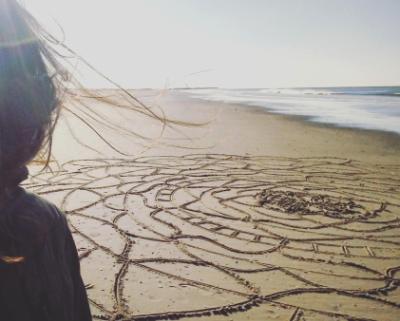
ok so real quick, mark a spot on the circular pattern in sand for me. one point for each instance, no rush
(251, 237)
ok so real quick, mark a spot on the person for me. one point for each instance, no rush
(39, 265)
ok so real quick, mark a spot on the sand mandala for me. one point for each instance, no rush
(231, 237)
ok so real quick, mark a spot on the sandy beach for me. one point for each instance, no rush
(258, 217)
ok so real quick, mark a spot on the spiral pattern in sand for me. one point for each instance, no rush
(213, 235)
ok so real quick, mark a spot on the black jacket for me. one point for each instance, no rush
(39, 266)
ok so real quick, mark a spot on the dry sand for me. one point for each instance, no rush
(273, 218)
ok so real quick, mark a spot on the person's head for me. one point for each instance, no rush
(29, 101)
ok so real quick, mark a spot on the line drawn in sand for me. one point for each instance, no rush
(210, 235)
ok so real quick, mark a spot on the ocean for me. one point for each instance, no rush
(376, 108)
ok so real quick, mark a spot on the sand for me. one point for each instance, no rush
(261, 217)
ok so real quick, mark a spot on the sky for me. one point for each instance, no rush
(230, 43)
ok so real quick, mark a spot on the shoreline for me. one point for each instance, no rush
(353, 107)
(306, 119)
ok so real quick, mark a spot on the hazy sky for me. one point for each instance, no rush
(232, 43)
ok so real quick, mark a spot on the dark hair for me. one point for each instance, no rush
(29, 93)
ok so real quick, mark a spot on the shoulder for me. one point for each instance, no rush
(30, 217)
(26, 204)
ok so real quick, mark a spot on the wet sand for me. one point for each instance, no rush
(267, 218)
